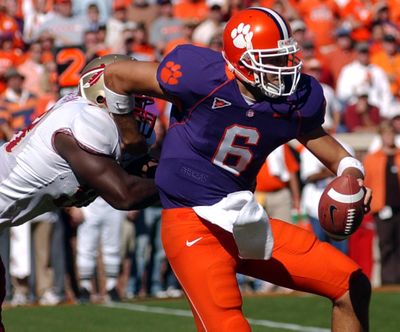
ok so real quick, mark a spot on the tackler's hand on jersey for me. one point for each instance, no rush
(145, 166)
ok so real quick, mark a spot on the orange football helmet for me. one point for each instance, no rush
(258, 41)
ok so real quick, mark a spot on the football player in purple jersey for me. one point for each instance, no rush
(230, 110)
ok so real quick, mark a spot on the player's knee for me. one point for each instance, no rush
(359, 293)
(223, 286)
(224, 301)
(360, 288)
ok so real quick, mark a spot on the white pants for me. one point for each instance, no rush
(101, 221)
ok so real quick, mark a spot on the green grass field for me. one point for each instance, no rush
(267, 313)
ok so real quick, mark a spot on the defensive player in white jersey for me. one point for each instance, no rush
(72, 154)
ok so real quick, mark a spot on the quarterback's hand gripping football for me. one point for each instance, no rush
(367, 197)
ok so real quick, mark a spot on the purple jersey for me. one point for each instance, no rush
(217, 142)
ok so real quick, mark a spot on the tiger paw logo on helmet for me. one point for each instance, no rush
(171, 73)
(242, 36)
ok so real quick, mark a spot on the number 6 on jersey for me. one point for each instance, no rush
(227, 148)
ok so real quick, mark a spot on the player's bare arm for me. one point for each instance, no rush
(326, 149)
(139, 77)
(102, 173)
(330, 153)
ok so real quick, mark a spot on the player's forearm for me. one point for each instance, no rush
(332, 160)
(136, 193)
(123, 191)
(133, 77)
(148, 194)
(141, 194)
(326, 148)
(105, 176)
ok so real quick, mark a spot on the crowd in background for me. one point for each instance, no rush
(350, 46)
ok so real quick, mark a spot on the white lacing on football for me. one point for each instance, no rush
(349, 220)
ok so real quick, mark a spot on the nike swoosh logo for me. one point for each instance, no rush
(332, 209)
(190, 243)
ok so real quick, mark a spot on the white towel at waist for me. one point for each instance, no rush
(239, 213)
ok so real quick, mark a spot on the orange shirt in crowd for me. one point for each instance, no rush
(394, 10)
(10, 58)
(266, 182)
(9, 28)
(375, 47)
(359, 13)
(144, 51)
(188, 10)
(44, 103)
(48, 56)
(391, 66)
(320, 18)
(375, 173)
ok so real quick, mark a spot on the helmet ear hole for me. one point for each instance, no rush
(100, 99)
(91, 83)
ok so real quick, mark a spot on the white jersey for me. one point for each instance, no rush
(33, 178)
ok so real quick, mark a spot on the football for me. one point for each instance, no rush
(340, 208)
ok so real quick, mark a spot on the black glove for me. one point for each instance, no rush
(144, 166)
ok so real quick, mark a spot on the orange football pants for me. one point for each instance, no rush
(205, 260)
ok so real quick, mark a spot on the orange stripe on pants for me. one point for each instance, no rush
(205, 260)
